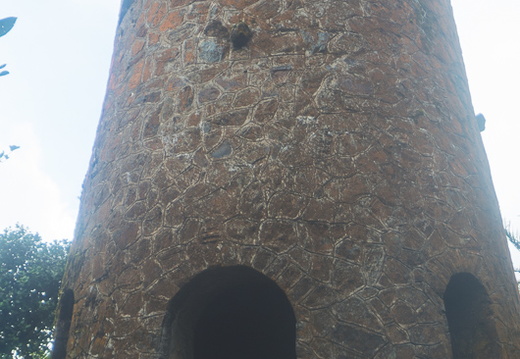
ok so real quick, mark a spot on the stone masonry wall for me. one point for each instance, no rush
(335, 152)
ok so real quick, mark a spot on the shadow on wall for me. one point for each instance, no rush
(59, 350)
(229, 313)
(473, 333)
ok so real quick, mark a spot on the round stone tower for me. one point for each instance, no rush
(282, 179)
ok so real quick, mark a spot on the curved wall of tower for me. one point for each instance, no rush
(319, 156)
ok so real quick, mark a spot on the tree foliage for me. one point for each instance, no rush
(30, 277)
(5, 26)
(515, 241)
(5, 156)
(512, 238)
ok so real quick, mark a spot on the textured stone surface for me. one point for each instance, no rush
(336, 153)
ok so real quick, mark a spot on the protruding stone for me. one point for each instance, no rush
(240, 35)
(223, 150)
(211, 51)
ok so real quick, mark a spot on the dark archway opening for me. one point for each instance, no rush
(472, 331)
(229, 313)
(66, 306)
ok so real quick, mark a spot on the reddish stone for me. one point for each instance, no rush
(171, 21)
(208, 94)
(247, 97)
(185, 98)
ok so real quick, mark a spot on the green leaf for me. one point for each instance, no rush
(6, 25)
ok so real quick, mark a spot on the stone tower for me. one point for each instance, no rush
(281, 179)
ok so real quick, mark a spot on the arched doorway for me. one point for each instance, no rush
(66, 306)
(229, 313)
(472, 331)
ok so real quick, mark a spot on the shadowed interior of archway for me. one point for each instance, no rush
(472, 331)
(229, 313)
(66, 306)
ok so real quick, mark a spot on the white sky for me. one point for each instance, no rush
(59, 53)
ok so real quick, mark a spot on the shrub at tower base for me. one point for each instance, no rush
(30, 277)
